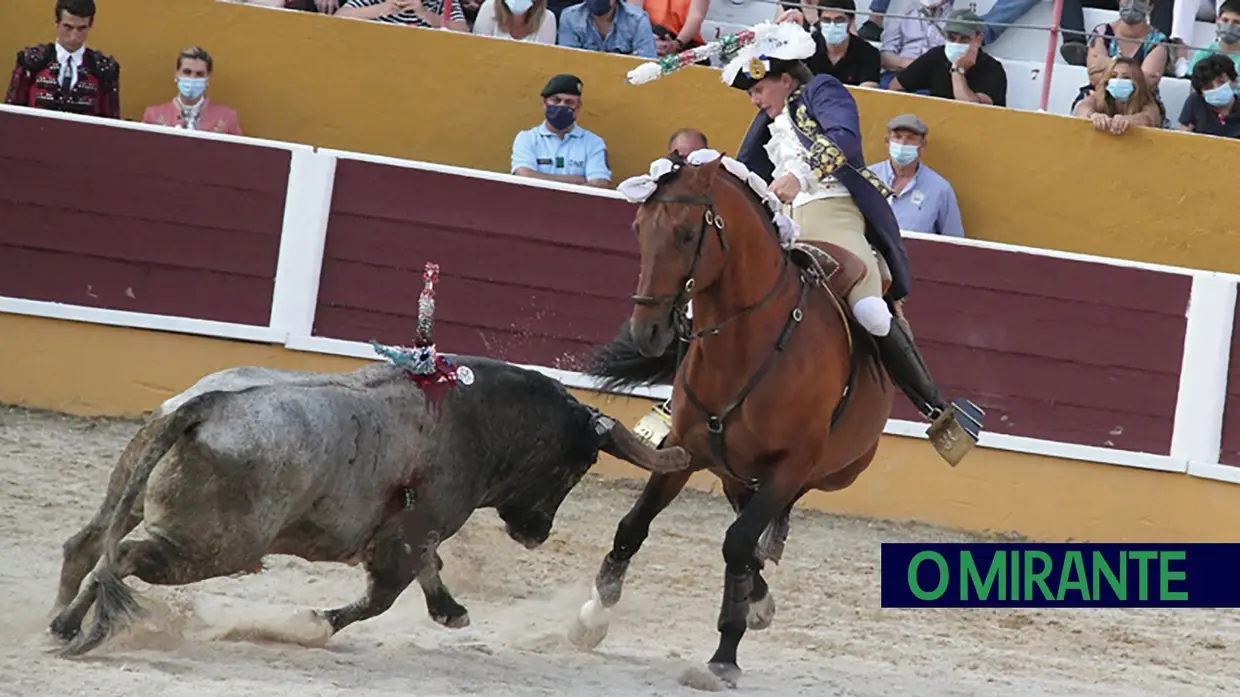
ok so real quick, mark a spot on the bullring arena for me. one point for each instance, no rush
(1100, 343)
(830, 637)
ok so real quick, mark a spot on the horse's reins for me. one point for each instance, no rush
(715, 423)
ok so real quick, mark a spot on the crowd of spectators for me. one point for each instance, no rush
(936, 51)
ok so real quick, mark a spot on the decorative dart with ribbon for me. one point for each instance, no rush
(725, 47)
(423, 362)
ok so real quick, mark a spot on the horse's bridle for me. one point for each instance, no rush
(715, 423)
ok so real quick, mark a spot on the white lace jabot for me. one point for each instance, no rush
(789, 157)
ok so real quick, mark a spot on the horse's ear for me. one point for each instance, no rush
(710, 169)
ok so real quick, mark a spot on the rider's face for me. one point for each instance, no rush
(770, 94)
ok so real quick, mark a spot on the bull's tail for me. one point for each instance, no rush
(618, 364)
(115, 605)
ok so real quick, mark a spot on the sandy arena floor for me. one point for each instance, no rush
(829, 637)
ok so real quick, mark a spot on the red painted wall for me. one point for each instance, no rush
(1062, 350)
(1230, 454)
(527, 275)
(132, 220)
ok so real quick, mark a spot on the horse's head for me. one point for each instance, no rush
(681, 241)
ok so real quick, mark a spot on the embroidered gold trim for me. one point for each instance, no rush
(824, 157)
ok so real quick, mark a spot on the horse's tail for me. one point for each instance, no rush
(115, 605)
(618, 364)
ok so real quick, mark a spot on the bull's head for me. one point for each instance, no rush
(529, 514)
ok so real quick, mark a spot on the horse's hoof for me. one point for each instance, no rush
(585, 637)
(729, 673)
(455, 621)
(62, 629)
(761, 612)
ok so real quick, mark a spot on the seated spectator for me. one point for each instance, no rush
(413, 13)
(959, 69)
(65, 75)
(686, 140)
(520, 20)
(908, 38)
(851, 62)
(558, 149)
(1126, 100)
(1211, 108)
(678, 21)
(611, 26)
(1131, 36)
(924, 201)
(190, 109)
(1227, 29)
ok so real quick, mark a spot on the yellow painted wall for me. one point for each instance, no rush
(1021, 177)
(93, 370)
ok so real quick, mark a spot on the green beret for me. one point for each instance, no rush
(563, 84)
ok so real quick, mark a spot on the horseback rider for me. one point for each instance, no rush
(805, 142)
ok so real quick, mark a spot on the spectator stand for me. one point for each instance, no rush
(1021, 49)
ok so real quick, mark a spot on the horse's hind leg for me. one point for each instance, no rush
(440, 604)
(592, 621)
(741, 577)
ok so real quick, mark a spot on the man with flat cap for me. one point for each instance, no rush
(559, 149)
(959, 69)
(806, 142)
(922, 199)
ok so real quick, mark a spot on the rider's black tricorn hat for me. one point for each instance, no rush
(774, 54)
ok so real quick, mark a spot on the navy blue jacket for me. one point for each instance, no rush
(824, 116)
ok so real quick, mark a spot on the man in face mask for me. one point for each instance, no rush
(1212, 107)
(838, 55)
(190, 109)
(1227, 28)
(559, 149)
(923, 201)
(611, 26)
(905, 39)
(959, 69)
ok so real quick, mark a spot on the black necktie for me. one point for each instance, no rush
(66, 78)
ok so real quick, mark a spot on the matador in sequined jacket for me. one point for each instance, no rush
(825, 116)
(37, 82)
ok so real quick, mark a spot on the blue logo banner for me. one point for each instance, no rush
(1060, 575)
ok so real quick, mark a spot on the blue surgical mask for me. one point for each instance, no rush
(560, 117)
(902, 153)
(835, 34)
(1228, 33)
(598, 8)
(955, 51)
(519, 7)
(191, 87)
(1119, 87)
(1219, 96)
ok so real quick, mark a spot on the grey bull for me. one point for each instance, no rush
(360, 467)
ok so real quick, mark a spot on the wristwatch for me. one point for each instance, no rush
(957, 69)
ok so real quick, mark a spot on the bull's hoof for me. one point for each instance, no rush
(453, 621)
(63, 629)
(590, 626)
(761, 612)
(729, 673)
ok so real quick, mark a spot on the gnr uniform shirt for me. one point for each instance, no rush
(579, 152)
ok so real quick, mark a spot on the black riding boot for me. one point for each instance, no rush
(908, 371)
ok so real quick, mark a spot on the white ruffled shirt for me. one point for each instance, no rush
(789, 157)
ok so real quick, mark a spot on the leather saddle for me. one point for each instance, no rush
(834, 268)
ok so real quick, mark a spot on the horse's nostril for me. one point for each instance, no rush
(654, 333)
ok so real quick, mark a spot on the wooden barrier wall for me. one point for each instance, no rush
(1083, 358)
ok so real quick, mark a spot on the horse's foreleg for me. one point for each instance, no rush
(741, 578)
(592, 621)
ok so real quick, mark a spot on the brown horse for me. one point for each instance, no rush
(778, 392)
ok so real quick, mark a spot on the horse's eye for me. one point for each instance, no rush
(684, 235)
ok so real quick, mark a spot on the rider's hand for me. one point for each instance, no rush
(790, 16)
(786, 188)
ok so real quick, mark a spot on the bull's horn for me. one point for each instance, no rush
(630, 448)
